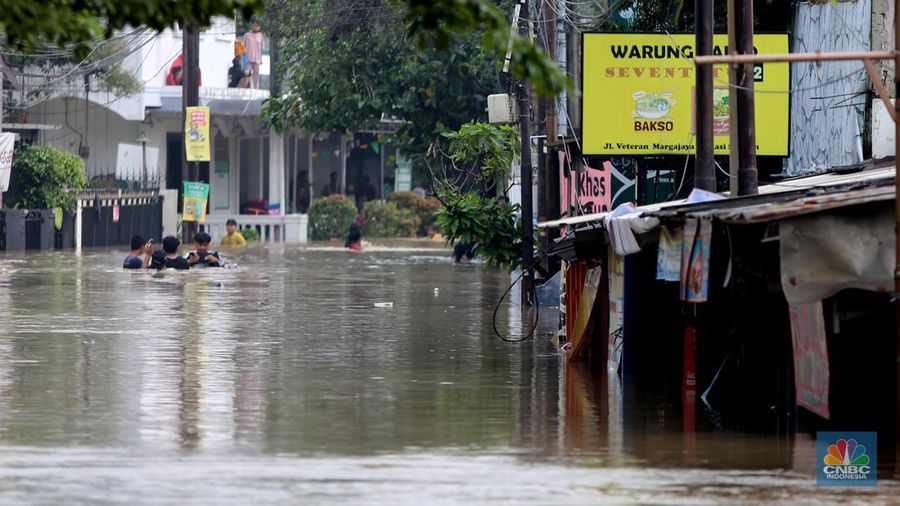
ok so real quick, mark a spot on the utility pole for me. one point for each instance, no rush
(525, 173)
(748, 178)
(551, 167)
(704, 167)
(190, 97)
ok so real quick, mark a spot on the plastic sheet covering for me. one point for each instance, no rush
(824, 253)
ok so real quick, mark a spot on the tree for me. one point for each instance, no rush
(28, 24)
(353, 63)
(474, 212)
(43, 177)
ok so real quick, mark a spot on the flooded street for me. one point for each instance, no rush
(281, 381)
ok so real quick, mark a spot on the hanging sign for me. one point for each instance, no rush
(592, 192)
(7, 144)
(196, 134)
(116, 213)
(195, 197)
(695, 246)
(811, 371)
(639, 95)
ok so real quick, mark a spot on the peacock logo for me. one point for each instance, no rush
(846, 452)
(847, 459)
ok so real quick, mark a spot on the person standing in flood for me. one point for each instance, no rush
(139, 258)
(254, 45)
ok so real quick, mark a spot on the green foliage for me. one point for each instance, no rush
(352, 67)
(250, 234)
(330, 217)
(28, 24)
(45, 177)
(491, 147)
(424, 209)
(488, 223)
(437, 21)
(385, 219)
(471, 213)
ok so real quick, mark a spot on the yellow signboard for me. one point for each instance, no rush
(639, 95)
(196, 134)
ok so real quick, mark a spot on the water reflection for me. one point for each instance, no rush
(283, 377)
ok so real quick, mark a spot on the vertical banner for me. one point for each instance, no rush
(7, 144)
(668, 259)
(196, 134)
(195, 197)
(695, 260)
(811, 372)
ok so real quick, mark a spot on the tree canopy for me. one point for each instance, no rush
(347, 64)
(27, 24)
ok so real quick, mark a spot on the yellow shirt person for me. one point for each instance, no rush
(233, 237)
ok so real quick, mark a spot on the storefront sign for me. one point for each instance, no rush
(7, 144)
(196, 134)
(639, 95)
(593, 191)
(195, 197)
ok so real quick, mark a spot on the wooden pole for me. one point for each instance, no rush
(748, 178)
(733, 156)
(704, 168)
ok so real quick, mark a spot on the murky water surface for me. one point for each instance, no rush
(282, 382)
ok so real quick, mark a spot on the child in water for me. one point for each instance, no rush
(354, 238)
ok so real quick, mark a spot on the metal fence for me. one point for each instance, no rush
(123, 178)
(113, 221)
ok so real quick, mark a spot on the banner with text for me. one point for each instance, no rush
(7, 145)
(639, 95)
(196, 196)
(196, 134)
(592, 192)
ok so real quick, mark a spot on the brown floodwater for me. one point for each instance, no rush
(282, 381)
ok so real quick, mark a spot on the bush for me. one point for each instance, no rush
(44, 177)
(330, 217)
(384, 219)
(250, 234)
(424, 209)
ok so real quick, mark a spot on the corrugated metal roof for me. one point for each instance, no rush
(794, 196)
(772, 211)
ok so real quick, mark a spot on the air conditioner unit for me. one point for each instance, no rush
(502, 109)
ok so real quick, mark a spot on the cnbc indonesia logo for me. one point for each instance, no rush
(845, 460)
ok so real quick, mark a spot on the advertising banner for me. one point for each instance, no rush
(196, 134)
(195, 197)
(639, 95)
(7, 144)
(811, 371)
(593, 191)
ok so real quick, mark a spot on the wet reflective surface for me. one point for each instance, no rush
(281, 381)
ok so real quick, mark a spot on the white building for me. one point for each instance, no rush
(248, 174)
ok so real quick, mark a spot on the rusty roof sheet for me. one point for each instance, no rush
(790, 197)
(779, 210)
